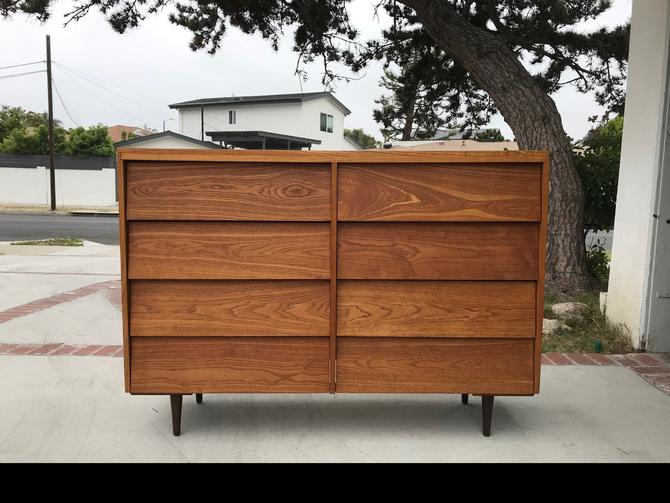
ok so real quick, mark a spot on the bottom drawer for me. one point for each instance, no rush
(420, 365)
(228, 364)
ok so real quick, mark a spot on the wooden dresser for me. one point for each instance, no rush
(332, 272)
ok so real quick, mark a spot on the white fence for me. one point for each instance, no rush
(24, 180)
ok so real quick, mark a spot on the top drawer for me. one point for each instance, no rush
(227, 191)
(440, 192)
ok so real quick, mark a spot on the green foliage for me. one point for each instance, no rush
(549, 35)
(13, 118)
(361, 137)
(26, 133)
(583, 333)
(597, 161)
(33, 141)
(68, 241)
(598, 264)
(91, 142)
(491, 134)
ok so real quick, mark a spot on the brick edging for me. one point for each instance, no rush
(58, 349)
(47, 302)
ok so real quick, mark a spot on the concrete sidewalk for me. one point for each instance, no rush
(59, 294)
(74, 409)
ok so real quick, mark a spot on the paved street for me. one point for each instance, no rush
(14, 227)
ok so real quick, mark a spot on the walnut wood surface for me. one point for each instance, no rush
(228, 250)
(436, 308)
(123, 255)
(439, 192)
(446, 251)
(229, 364)
(395, 365)
(234, 191)
(325, 156)
(232, 299)
(229, 308)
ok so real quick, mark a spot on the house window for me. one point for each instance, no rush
(232, 117)
(327, 123)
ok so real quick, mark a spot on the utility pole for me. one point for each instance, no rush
(52, 167)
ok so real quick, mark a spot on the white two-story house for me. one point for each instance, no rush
(277, 121)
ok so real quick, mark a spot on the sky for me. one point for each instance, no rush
(104, 77)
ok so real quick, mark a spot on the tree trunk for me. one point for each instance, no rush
(409, 120)
(536, 123)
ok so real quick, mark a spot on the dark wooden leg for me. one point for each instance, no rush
(487, 414)
(175, 404)
(198, 398)
(464, 398)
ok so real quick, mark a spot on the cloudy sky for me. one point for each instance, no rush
(104, 77)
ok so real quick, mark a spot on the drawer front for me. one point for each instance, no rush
(229, 308)
(438, 251)
(230, 191)
(229, 364)
(228, 250)
(440, 192)
(394, 365)
(436, 309)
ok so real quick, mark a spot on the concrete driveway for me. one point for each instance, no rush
(69, 408)
(56, 407)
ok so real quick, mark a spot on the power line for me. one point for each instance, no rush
(2, 77)
(82, 74)
(102, 99)
(62, 102)
(22, 64)
(113, 92)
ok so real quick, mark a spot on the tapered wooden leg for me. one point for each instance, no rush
(175, 405)
(464, 398)
(487, 414)
(198, 398)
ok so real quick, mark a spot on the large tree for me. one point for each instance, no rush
(517, 51)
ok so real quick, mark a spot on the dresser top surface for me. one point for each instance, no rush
(326, 156)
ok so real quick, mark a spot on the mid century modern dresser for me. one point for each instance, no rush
(332, 272)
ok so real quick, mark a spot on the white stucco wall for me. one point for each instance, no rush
(294, 119)
(643, 134)
(74, 187)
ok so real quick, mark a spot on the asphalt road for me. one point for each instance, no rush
(103, 229)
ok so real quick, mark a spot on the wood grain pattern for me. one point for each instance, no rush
(123, 253)
(439, 192)
(541, 252)
(229, 365)
(444, 251)
(232, 191)
(393, 365)
(333, 275)
(229, 250)
(324, 156)
(436, 309)
(229, 308)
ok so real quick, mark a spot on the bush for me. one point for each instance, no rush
(598, 263)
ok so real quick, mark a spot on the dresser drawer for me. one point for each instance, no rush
(229, 364)
(438, 251)
(229, 308)
(227, 191)
(436, 308)
(228, 250)
(400, 365)
(440, 192)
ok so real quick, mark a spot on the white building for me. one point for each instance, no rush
(639, 283)
(277, 121)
